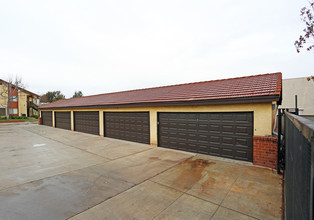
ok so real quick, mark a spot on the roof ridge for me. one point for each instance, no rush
(181, 84)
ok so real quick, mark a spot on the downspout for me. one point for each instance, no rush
(274, 128)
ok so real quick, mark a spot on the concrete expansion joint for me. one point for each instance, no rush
(186, 193)
(131, 154)
(137, 184)
(239, 212)
(168, 206)
(229, 190)
(220, 205)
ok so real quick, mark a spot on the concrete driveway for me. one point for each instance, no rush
(48, 173)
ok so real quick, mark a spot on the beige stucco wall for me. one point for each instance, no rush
(3, 100)
(22, 99)
(262, 115)
(303, 89)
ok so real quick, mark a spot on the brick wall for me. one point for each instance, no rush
(265, 151)
(13, 104)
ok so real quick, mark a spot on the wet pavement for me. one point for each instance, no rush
(48, 173)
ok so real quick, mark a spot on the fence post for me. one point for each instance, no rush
(296, 105)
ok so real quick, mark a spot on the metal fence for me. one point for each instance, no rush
(281, 130)
(299, 167)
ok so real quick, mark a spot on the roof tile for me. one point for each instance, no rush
(250, 86)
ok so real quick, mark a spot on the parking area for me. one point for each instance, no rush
(49, 173)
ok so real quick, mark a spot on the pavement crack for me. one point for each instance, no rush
(167, 206)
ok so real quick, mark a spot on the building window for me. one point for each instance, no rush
(2, 111)
(12, 111)
(14, 98)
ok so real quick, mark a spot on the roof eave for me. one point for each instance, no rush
(237, 100)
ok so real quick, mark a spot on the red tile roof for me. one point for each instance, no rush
(249, 88)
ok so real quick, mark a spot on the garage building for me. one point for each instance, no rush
(230, 118)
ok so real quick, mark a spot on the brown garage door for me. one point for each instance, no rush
(87, 122)
(220, 134)
(46, 118)
(63, 120)
(131, 126)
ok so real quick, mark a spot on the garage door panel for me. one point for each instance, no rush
(241, 155)
(202, 137)
(214, 117)
(220, 134)
(243, 130)
(204, 117)
(63, 120)
(214, 128)
(214, 140)
(46, 118)
(204, 127)
(227, 152)
(227, 117)
(228, 128)
(213, 150)
(228, 141)
(242, 118)
(87, 122)
(131, 126)
(243, 143)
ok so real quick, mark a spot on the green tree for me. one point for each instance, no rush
(77, 94)
(53, 96)
(307, 15)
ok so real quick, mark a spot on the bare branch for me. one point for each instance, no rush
(307, 16)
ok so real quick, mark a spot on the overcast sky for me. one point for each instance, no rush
(106, 46)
